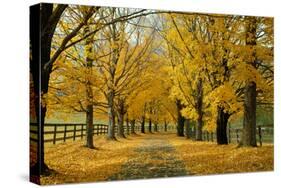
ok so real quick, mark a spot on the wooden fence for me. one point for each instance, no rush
(234, 135)
(54, 133)
(62, 132)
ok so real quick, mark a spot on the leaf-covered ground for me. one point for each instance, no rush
(73, 162)
(155, 158)
(202, 158)
(150, 156)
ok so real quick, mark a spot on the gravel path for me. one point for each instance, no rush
(155, 158)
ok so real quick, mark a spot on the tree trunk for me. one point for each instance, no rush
(199, 106)
(111, 117)
(112, 71)
(150, 125)
(155, 127)
(194, 131)
(188, 133)
(89, 91)
(89, 120)
(40, 56)
(127, 126)
(142, 124)
(120, 117)
(165, 126)
(198, 130)
(250, 93)
(222, 119)
(133, 126)
(249, 123)
(89, 127)
(180, 124)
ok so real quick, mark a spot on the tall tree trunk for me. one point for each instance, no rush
(194, 131)
(165, 126)
(250, 93)
(89, 127)
(143, 124)
(89, 91)
(41, 32)
(120, 117)
(127, 125)
(198, 130)
(188, 133)
(180, 124)
(199, 106)
(150, 125)
(111, 117)
(249, 123)
(155, 127)
(222, 120)
(133, 126)
(112, 71)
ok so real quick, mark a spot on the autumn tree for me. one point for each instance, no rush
(44, 32)
(50, 15)
(219, 39)
(125, 50)
(259, 41)
(74, 85)
(187, 84)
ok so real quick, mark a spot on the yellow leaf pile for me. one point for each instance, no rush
(203, 158)
(72, 162)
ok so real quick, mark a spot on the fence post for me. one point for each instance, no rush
(237, 135)
(260, 135)
(74, 133)
(229, 134)
(64, 134)
(55, 133)
(127, 126)
(82, 126)
(204, 133)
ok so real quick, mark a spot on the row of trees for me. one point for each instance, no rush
(89, 61)
(157, 67)
(221, 68)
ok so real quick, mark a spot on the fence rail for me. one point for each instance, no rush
(62, 132)
(234, 135)
(54, 133)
